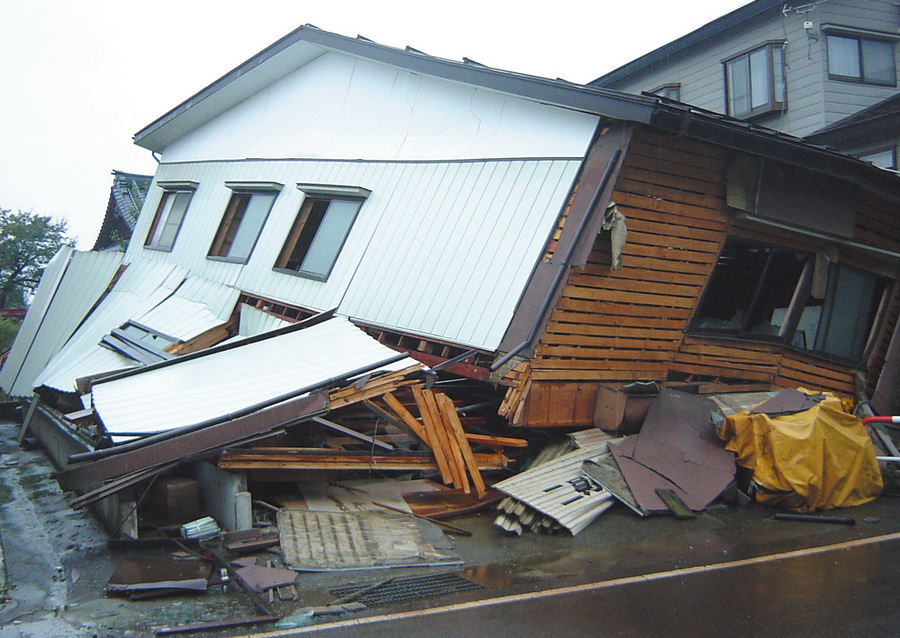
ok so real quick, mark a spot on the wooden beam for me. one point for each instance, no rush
(451, 447)
(428, 421)
(406, 416)
(449, 412)
(315, 459)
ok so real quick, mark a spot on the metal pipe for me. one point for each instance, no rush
(564, 265)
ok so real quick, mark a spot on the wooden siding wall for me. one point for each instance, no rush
(613, 327)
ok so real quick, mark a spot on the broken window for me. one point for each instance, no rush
(320, 229)
(754, 81)
(243, 221)
(762, 292)
(169, 216)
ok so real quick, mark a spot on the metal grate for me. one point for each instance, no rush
(406, 589)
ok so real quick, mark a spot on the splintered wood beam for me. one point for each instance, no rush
(451, 451)
(406, 416)
(374, 387)
(496, 443)
(449, 412)
(435, 442)
(329, 460)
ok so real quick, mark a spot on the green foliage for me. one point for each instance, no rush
(8, 329)
(27, 242)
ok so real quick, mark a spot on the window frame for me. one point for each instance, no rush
(315, 194)
(241, 191)
(860, 38)
(162, 216)
(667, 90)
(772, 105)
(790, 329)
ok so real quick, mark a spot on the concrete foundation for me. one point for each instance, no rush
(224, 496)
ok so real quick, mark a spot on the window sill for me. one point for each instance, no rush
(853, 80)
(301, 274)
(229, 260)
(160, 249)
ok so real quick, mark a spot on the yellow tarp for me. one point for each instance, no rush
(817, 459)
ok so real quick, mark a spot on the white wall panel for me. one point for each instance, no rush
(439, 248)
(342, 107)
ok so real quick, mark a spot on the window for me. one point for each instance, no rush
(318, 233)
(858, 59)
(754, 81)
(243, 220)
(169, 215)
(669, 91)
(764, 293)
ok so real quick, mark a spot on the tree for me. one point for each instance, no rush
(27, 242)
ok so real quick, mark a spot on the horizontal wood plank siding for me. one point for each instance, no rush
(614, 327)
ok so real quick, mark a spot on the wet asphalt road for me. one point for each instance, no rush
(848, 589)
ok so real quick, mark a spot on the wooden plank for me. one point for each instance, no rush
(628, 297)
(496, 443)
(449, 413)
(344, 461)
(612, 282)
(635, 373)
(406, 416)
(646, 350)
(448, 442)
(431, 430)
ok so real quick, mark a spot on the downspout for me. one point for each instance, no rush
(563, 266)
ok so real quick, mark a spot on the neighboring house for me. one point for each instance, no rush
(476, 219)
(802, 68)
(126, 198)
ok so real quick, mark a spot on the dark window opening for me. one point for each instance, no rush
(761, 292)
(167, 220)
(317, 236)
(240, 227)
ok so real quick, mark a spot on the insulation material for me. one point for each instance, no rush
(614, 222)
(816, 459)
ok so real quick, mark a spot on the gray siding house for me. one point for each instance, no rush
(803, 68)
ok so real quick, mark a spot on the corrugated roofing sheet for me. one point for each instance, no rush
(225, 381)
(550, 488)
(71, 285)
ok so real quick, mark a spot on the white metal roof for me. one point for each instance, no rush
(159, 296)
(71, 284)
(201, 388)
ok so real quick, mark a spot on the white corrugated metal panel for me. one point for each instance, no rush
(396, 268)
(196, 306)
(453, 255)
(547, 488)
(221, 382)
(69, 297)
(253, 321)
(371, 111)
(141, 287)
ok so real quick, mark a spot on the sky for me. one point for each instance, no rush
(79, 78)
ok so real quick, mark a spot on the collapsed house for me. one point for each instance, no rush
(344, 237)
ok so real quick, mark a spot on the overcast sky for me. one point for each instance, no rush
(79, 78)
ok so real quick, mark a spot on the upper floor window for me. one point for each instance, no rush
(669, 91)
(243, 220)
(763, 292)
(320, 229)
(754, 81)
(169, 214)
(859, 59)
